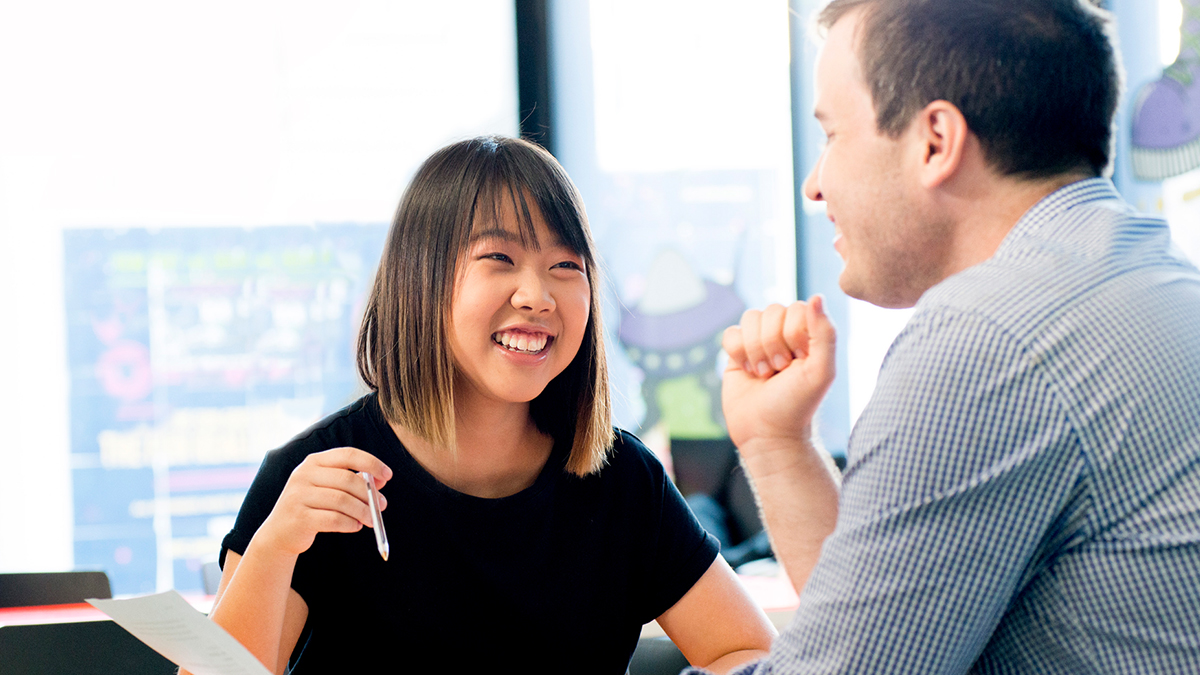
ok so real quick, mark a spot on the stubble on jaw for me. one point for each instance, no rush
(905, 239)
(909, 257)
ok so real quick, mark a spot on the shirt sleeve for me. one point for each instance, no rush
(681, 551)
(962, 468)
(268, 484)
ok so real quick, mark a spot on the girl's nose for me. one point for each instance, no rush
(532, 293)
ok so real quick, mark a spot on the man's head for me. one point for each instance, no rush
(1037, 80)
(943, 120)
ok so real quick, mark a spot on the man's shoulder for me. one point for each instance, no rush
(1061, 266)
(1075, 313)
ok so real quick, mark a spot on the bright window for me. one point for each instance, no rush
(193, 197)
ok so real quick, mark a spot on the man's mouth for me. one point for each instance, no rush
(522, 343)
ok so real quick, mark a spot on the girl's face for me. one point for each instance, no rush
(518, 315)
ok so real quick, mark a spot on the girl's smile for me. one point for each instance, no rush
(520, 308)
(521, 341)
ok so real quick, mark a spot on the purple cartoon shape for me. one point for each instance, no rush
(675, 331)
(1166, 117)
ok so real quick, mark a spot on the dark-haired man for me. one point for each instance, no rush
(1022, 493)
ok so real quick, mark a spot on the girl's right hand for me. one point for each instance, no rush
(323, 494)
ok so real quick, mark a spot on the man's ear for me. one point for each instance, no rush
(942, 134)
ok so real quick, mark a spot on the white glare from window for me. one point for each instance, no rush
(1170, 18)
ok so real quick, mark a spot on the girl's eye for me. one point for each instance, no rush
(570, 265)
(499, 257)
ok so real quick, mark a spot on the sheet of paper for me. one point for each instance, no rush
(173, 628)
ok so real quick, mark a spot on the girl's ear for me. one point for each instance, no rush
(942, 133)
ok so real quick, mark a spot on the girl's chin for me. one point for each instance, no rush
(509, 391)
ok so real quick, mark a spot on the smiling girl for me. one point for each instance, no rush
(525, 531)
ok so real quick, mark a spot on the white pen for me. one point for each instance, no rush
(376, 517)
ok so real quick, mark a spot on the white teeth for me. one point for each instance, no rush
(520, 342)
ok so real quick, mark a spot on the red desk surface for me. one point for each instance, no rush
(22, 616)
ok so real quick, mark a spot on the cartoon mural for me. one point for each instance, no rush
(1166, 118)
(674, 336)
(685, 252)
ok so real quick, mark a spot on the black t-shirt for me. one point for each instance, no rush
(560, 576)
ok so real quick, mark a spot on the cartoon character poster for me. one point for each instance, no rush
(686, 253)
(1165, 134)
(1166, 119)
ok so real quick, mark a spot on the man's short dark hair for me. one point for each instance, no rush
(1038, 81)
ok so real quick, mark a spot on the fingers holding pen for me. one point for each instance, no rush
(342, 470)
(333, 512)
(325, 493)
(355, 460)
(319, 499)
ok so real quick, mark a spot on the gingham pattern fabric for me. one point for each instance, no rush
(1022, 493)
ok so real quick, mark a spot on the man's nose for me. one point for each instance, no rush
(812, 184)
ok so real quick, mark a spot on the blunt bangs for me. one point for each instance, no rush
(518, 178)
(457, 189)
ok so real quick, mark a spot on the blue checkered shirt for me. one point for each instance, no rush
(1022, 493)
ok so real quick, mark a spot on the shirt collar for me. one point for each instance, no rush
(1087, 191)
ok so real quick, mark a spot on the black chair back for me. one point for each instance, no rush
(52, 588)
(83, 648)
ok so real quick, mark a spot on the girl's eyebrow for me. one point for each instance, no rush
(512, 237)
(495, 233)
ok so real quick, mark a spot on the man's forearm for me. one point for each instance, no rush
(797, 490)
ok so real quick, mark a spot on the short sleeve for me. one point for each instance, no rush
(681, 551)
(264, 491)
(962, 466)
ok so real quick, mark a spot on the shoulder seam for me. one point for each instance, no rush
(1023, 348)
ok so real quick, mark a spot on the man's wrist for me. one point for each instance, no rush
(767, 455)
(789, 460)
